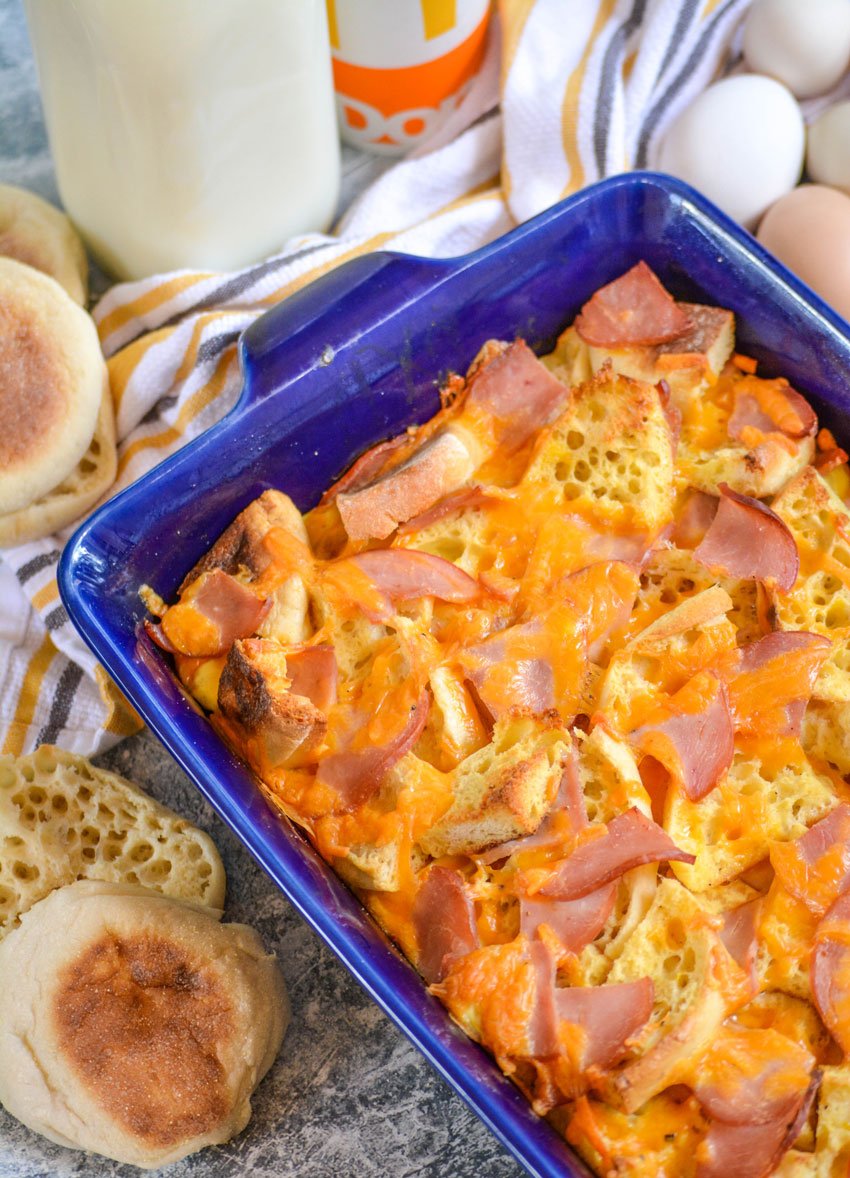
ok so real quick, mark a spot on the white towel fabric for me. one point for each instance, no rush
(587, 90)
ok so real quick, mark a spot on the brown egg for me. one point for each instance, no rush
(809, 230)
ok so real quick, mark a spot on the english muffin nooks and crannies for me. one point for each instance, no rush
(37, 234)
(62, 819)
(53, 382)
(134, 1025)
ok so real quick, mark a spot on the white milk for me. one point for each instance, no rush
(188, 133)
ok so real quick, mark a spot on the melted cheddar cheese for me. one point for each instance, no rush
(573, 617)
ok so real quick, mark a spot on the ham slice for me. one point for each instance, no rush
(633, 311)
(770, 681)
(695, 747)
(749, 541)
(608, 1016)
(815, 868)
(752, 1150)
(213, 611)
(753, 1076)
(543, 1023)
(365, 469)
(630, 840)
(356, 774)
(830, 971)
(739, 933)
(404, 574)
(694, 520)
(574, 922)
(154, 631)
(313, 673)
(444, 923)
(770, 407)
(507, 673)
(519, 391)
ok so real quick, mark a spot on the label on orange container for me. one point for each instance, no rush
(401, 65)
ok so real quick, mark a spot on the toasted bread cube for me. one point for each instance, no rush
(372, 867)
(768, 793)
(797, 1164)
(570, 361)
(444, 463)
(661, 658)
(288, 620)
(503, 790)
(832, 1140)
(826, 733)
(454, 728)
(635, 893)
(279, 729)
(657, 1141)
(760, 471)
(786, 933)
(678, 947)
(672, 574)
(609, 776)
(240, 548)
(820, 600)
(688, 362)
(609, 456)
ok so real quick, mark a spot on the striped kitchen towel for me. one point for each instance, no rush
(571, 91)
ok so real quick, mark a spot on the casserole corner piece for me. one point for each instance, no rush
(349, 361)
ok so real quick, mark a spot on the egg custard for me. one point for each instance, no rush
(559, 683)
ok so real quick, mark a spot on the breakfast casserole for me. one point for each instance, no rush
(558, 682)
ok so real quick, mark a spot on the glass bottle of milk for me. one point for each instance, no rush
(188, 133)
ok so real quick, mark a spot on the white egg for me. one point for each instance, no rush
(740, 143)
(803, 43)
(828, 151)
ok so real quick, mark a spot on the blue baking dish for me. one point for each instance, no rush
(353, 359)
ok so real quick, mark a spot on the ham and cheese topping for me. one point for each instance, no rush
(543, 679)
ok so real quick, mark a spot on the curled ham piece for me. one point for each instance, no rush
(749, 541)
(313, 673)
(365, 469)
(213, 611)
(752, 1076)
(695, 747)
(694, 519)
(630, 840)
(752, 1150)
(543, 1021)
(609, 1017)
(523, 683)
(739, 933)
(574, 922)
(770, 407)
(444, 923)
(829, 971)
(519, 391)
(155, 633)
(404, 574)
(356, 774)
(633, 311)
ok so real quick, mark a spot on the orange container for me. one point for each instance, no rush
(400, 66)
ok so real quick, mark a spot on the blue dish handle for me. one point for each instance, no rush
(305, 330)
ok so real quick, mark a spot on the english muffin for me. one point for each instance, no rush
(35, 233)
(52, 383)
(134, 1025)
